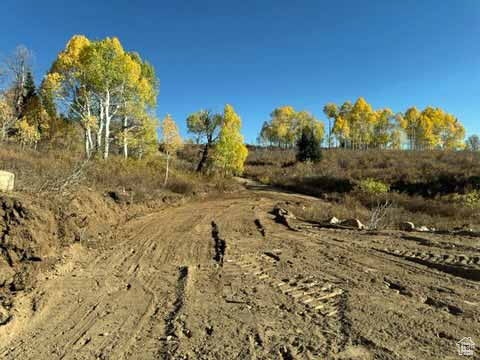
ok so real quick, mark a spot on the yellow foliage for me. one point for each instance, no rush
(26, 134)
(171, 140)
(230, 152)
(341, 129)
(286, 126)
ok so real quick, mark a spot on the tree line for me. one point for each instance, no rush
(103, 97)
(286, 125)
(359, 126)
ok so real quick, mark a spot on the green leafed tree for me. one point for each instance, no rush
(204, 125)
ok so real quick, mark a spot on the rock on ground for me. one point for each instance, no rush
(333, 220)
(407, 226)
(7, 181)
(4, 316)
(354, 223)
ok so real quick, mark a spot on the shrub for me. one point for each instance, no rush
(373, 187)
(304, 169)
(469, 200)
(265, 180)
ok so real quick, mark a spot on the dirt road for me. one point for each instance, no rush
(220, 279)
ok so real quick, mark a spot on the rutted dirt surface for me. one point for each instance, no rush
(221, 279)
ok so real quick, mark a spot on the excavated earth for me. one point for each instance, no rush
(224, 279)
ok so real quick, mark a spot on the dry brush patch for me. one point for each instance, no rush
(436, 188)
(55, 171)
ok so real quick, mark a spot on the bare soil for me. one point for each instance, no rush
(222, 279)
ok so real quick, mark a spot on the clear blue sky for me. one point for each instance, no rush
(261, 54)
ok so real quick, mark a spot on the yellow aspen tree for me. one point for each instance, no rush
(409, 122)
(304, 119)
(230, 152)
(111, 74)
(26, 134)
(137, 99)
(458, 136)
(283, 127)
(7, 117)
(341, 130)
(396, 139)
(66, 82)
(382, 128)
(425, 133)
(99, 78)
(286, 125)
(143, 140)
(361, 120)
(452, 133)
(344, 114)
(38, 116)
(171, 141)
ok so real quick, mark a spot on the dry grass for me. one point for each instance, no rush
(39, 171)
(421, 183)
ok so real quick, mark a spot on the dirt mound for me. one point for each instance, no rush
(34, 232)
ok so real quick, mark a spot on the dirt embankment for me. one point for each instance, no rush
(36, 230)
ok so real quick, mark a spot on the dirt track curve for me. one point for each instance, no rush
(220, 279)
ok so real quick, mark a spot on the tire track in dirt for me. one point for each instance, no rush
(457, 265)
(384, 255)
(219, 245)
(324, 302)
(171, 325)
(363, 264)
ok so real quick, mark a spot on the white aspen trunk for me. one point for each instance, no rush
(88, 142)
(329, 133)
(87, 145)
(88, 133)
(100, 127)
(166, 171)
(107, 126)
(20, 90)
(125, 133)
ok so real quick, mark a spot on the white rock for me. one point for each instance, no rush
(354, 223)
(333, 220)
(407, 226)
(423, 229)
(4, 316)
(7, 181)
